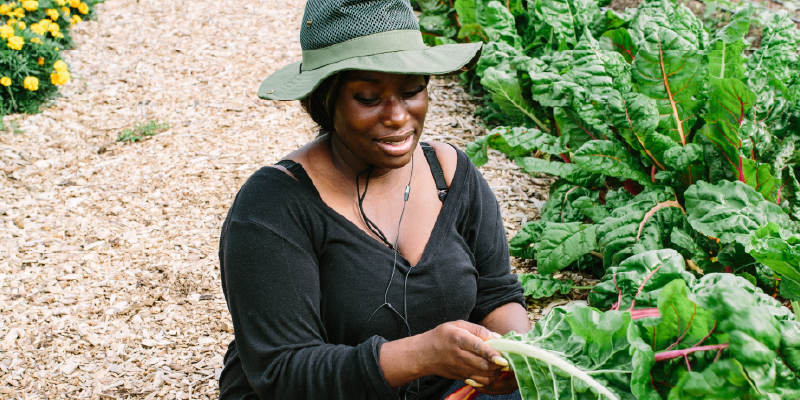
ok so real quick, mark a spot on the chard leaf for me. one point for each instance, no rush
(600, 72)
(522, 244)
(540, 286)
(559, 207)
(505, 89)
(778, 249)
(730, 100)
(570, 172)
(620, 41)
(636, 118)
(712, 283)
(568, 18)
(591, 209)
(641, 225)
(725, 59)
(729, 211)
(516, 141)
(638, 281)
(610, 158)
(552, 90)
(680, 157)
(498, 23)
(759, 177)
(573, 353)
(790, 344)
(670, 70)
(563, 244)
(580, 125)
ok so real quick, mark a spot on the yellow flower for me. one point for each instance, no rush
(65, 10)
(40, 61)
(59, 78)
(30, 5)
(57, 48)
(38, 29)
(6, 31)
(59, 35)
(83, 8)
(45, 23)
(54, 28)
(4, 9)
(52, 13)
(76, 19)
(74, 3)
(60, 66)
(15, 43)
(61, 2)
(5, 81)
(19, 13)
(21, 25)
(31, 83)
(36, 40)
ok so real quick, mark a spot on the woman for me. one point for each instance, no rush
(364, 265)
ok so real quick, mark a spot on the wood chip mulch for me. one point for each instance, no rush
(109, 275)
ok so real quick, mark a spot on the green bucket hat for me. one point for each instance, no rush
(367, 35)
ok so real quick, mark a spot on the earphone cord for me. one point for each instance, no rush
(374, 228)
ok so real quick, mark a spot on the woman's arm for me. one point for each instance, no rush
(507, 318)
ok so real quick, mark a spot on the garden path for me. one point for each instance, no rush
(109, 275)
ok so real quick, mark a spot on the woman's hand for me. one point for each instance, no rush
(457, 350)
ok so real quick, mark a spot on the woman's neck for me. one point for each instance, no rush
(350, 165)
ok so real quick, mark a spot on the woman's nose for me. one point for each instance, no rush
(396, 114)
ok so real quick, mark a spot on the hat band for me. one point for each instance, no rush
(378, 43)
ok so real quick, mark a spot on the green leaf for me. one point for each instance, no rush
(477, 151)
(522, 244)
(729, 211)
(568, 18)
(680, 157)
(564, 244)
(540, 286)
(620, 41)
(499, 24)
(778, 249)
(759, 177)
(591, 209)
(730, 101)
(570, 172)
(636, 118)
(638, 281)
(559, 207)
(610, 158)
(725, 60)
(580, 125)
(642, 224)
(670, 70)
(506, 92)
(598, 71)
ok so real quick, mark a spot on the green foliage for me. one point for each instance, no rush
(142, 131)
(539, 286)
(29, 75)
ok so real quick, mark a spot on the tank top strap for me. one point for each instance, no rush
(436, 170)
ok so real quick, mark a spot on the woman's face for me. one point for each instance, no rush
(379, 117)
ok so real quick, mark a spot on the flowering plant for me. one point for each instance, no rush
(32, 36)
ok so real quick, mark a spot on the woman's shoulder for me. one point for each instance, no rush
(448, 159)
(269, 192)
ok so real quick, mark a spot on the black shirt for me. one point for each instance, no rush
(305, 286)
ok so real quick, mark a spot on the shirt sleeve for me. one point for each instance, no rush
(271, 282)
(497, 286)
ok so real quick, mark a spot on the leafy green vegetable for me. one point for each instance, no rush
(539, 286)
(562, 244)
(779, 249)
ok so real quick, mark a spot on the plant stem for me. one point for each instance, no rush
(796, 308)
(597, 254)
(583, 287)
(666, 355)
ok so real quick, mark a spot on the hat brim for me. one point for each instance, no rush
(289, 83)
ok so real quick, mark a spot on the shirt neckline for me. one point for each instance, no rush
(453, 192)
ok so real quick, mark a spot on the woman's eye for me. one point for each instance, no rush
(415, 92)
(366, 100)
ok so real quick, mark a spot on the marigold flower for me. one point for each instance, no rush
(52, 13)
(4, 9)
(5, 81)
(76, 19)
(31, 83)
(18, 13)
(15, 43)
(45, 23)
(74, 3)
(36, 40)
(21, 25)
(65, 10)
(59, 35)
(30, 5)
(40, 61)
(60, 66)
(38, 29)
(83, 8)
(59, 78)
(61, 2)
(6, 31)
(54, 29)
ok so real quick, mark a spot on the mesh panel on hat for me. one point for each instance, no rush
(337, 21)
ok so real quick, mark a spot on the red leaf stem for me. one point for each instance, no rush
(707, 336)
(653, 174)
(631, 187)
(619, 291)
(565, 158)
(688, 325)
(668, 355)
(465, 393)
(688, 366)
(644, 313)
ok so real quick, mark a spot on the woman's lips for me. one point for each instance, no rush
(396, 146)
